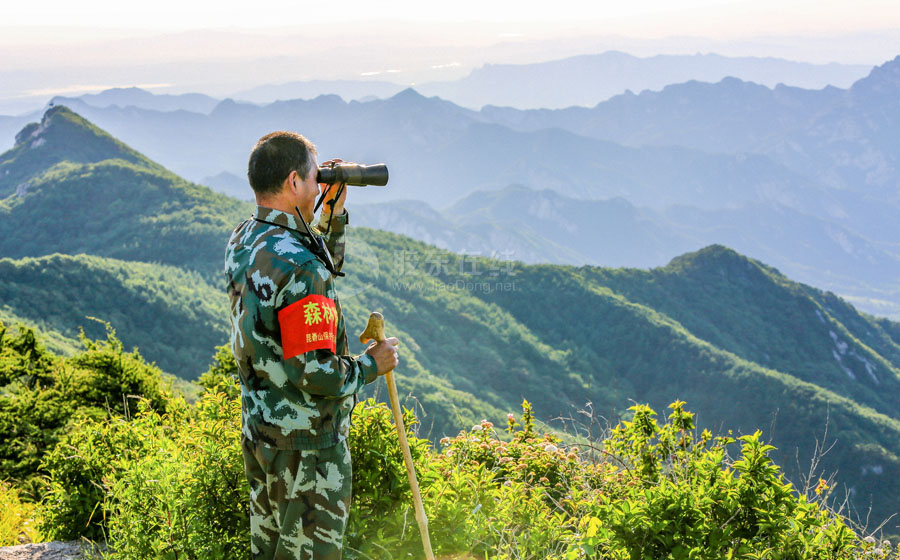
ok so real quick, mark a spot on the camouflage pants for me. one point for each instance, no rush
(299, 501)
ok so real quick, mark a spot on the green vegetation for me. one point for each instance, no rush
(16, 517)
(771, 321)
(121, 210)
(518, 350)
(42, 394)
(156, 477)
(46, 331)
(170, 485)
(171, 314)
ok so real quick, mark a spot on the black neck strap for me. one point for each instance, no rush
(315, 243)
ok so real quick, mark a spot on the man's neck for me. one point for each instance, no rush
(278, 203)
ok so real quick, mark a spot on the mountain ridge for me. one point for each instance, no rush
(139, 97)
(92, 189)
(60, 135)
(593, 78)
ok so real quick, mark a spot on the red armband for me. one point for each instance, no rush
(308, 324)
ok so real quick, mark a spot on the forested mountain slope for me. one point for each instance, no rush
(172, 315)
(60, 136)
(71, 188)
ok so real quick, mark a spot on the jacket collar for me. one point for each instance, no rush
(283, 219)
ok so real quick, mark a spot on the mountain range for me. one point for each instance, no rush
(582, 80)
(840, 138)
(124, 240)
(440, 152)
(798, 178)
(729, 117)
(463, 77)
(534, 226)
(586, 80)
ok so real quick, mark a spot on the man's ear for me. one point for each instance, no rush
(292, 181)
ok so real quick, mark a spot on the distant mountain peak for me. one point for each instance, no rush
(882, 81)
(56, 119)
(410, 100)
(408, 94)
(80, 140)
(717, 250)
(132, 89)
(330, 97)
(61, 135)
(713, 258)
(229, 106)
(721, 262)
(141, 99)
(117, 94)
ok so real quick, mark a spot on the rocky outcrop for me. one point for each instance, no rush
(49, 551)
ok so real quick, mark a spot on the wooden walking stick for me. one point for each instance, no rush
(375, 331)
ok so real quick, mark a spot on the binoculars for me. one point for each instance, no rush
(353, 174)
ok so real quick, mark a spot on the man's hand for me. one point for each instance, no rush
(332, 192)
(385, 354)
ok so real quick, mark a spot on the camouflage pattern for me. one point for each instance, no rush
(295, 412)
(335, 240)
(303, 402)
(299, 501)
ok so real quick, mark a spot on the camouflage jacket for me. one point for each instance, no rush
(298, 385)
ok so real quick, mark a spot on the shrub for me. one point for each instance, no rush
(44, 397)
(114, 376)
(80, 469)
(382, 499)
(16, 517)
(171, 485)
(687, 499)
(187, 497)
(222, 375)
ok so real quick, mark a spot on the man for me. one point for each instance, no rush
(298, 383)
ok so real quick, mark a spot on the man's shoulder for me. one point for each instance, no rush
(279, 252)
(284, 244)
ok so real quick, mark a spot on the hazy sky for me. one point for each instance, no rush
(50, 47)
(645, 18)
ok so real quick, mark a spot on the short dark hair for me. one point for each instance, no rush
(275, 156)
